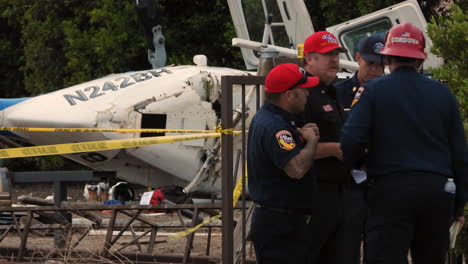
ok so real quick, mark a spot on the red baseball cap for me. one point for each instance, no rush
(288, 76)
(322, 42)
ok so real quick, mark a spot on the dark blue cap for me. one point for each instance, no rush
(369, 49)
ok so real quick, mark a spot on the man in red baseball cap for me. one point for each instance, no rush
(329, 239)
(279, 157)
(321, 56)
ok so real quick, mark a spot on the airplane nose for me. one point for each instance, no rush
(4, 104)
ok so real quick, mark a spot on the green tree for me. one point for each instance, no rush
(68, 42)
(100, 38)
(199, 27)
(11, 57)
(449, 38)
(53, 44)
(42, 40)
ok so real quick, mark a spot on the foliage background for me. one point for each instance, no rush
(450, 39)
(47, 45)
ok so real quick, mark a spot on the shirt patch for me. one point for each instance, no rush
(357, 96)
(285, 140)
(327, 108)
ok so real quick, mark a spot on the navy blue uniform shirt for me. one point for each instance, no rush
(409, 123)
(322, 109)
(345, 92)
(273, 141)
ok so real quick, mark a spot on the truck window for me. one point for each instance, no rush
(352, 37)
(255, 15)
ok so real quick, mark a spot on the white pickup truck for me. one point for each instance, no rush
(283, 24)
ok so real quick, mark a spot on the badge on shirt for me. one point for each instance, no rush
(327, 108)
(357, 96)
(285, 140)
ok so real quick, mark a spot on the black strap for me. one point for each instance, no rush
(286, 210)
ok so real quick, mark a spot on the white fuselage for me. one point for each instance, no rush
(174, 98)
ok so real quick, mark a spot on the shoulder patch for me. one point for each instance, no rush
(285, 140)
(357, 96)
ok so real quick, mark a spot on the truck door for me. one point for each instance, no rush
(378, 23)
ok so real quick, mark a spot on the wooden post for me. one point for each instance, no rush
(154, 231)
(24, 237)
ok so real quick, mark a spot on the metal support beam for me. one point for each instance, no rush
(136, 241)
(125, 227)
(110, 230)
(189, 244)
(5, 233)
(60, 195)
(227, 83)
(227, 166)
(81, 237)
(63, 176)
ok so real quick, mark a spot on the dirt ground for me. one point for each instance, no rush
(94, 241)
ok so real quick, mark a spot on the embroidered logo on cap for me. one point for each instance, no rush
(329, 38)
(378, 47)
(285, 140)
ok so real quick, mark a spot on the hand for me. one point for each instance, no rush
(460, 219)
(314, 127)
(310, 132)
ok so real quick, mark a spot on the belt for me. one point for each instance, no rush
(404, 175)
(330, 186)
(290, 211)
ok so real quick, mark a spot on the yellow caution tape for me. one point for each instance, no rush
(238, 190)
(97, 145)
(235, 197)
(218, 129)
(193, 229)
(228, 131)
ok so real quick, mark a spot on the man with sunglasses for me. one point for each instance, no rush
(329, 238)
(279, 157)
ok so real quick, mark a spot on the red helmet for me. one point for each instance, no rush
(405, 40)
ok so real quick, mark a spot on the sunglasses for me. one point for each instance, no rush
(301, 81)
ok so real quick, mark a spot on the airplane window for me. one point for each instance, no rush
(352, 37)
(254, 12)
(154, 121)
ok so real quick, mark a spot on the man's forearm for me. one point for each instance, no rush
(298, 166)
(326, 149)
